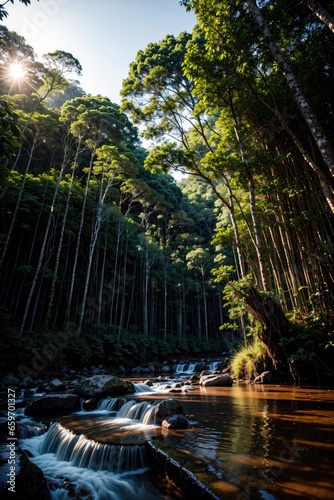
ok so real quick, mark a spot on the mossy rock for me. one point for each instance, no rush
(103, 385)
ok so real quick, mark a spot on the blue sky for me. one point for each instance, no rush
(104, 35)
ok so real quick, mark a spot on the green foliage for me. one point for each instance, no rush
(248, 361)
(4, 13)
(10, 136)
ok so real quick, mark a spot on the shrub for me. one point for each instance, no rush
(248, 361)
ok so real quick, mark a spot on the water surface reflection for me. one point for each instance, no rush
(269, 441)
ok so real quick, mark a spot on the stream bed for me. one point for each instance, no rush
(268, 441)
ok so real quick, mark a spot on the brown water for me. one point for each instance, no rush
(269, 441)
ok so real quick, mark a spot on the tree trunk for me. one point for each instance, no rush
(275, 326)
(41, 255)
(253, 210)
(145, 298)
(120, 229)
(205, 309)
(60, 244)
(304, 106)
(95, 233)
(324, 182)
(74, 270)
(321, 13)
(18, 201)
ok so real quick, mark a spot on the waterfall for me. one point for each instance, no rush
(186, 368)
(88, 454)
(140, 387)
(27, 428)
(141, 411)
(98, 454)
(111, 404)
(215, 365)
(73, 479)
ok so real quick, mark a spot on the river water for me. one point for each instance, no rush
(269, 442)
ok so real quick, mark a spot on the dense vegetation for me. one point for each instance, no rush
(105, 258)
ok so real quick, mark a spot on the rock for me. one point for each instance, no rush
(27, 382)
(175, 422)
(166, 408)
(131, 387)
(28, 479)
(96, 371)
(9, 380)
(216, 380)
(264, 378)
(200, 366)
(90, 404)
(53, 403)
(194, 377)
(102, 385)
(149, 383)
(166, 369)
(57, 385)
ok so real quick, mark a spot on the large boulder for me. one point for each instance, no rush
(166, 408)
(56, 385)
(216, 380)
(264, 378)
(166, 369)
(23, 480)
(10, 380)
(175, 422)
(53, 403)
(102, 385)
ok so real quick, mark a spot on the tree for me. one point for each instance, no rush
(4, 13)
(10, 135)
(59, 64)
(198, 259)
(321, 13)
(39, 128)
(159, 94)
(110, 168)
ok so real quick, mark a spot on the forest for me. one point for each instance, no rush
(106, 258)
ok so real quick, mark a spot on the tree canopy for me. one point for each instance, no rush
(99, 240)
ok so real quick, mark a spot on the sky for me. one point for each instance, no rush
(104, 35)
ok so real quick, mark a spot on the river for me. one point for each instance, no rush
(269, 441)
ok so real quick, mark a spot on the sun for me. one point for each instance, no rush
(16, 71)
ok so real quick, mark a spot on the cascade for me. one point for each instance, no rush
(140, 387)
(74, 479)
(111, 404)
(88, 454)
(186, 368)
(98, 451)
(215, 365)
(141, 411)
(27, 428)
